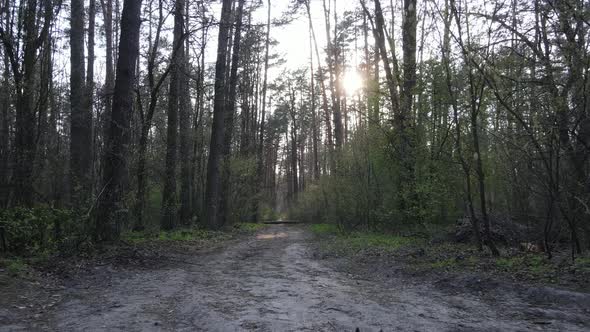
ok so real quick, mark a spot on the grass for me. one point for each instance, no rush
(509, 263)
(14, 266)
(444, 264)
(418, 254)
(180, 235)
(535, 265)
(583, 264)
(188, 234)
(325, 229)
(361, 241)
(249, 227)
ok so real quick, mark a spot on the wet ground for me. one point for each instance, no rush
(271, 282)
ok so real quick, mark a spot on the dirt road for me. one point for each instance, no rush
(270, 282)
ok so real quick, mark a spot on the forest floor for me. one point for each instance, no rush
(275, 279)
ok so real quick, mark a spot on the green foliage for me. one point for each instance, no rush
(364, 192)
(360, 240)
(508, 263)
(187, 234)
(14, 266)
(179, 235)
(268, 213)
(444, 263)
(242, 190)
(310, 205)
(583, 264)
(153, 207)
(34, 231)
(324, 229)
(249, 227)
(536, 265)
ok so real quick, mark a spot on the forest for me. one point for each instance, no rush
(122, 119)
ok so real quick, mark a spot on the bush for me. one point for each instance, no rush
(34, 231)
(363, 192)
(15, 266)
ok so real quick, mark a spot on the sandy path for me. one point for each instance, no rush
(270, 282)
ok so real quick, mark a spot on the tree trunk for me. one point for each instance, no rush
(314, 120)
(5, 135)
(107, 8)
(217, 130)
(112, 208)
(294, 150)
(230, 109)
(81, 118)
(407, 96)
(329, 139)
(381, 49)
(185, 135)
(198, 145)
(335, 81)
(458, 145)
(89, 96)
(260, 151)
(169, 200)
(146, 118)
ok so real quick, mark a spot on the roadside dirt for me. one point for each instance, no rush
(272, 282)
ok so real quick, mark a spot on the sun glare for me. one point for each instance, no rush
(352, 82)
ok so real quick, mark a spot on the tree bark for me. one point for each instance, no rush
(198, 144)
(80, 118)
(107, 9)
(169, 200)
(24, 79)
(5, 135)
(185, 214)
(112, 207)
(230, 109)
(217, 130)
(89, 95)
(333, 74)
(314, 121)
(260, 150)
(409, 77)
(378, 27)
(329, 137)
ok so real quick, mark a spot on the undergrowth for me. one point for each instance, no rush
(188, 234)
(15, 266)
(249, 226)
(343, 241)
(421, 254)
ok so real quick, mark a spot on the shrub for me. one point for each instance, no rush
(36, 230)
